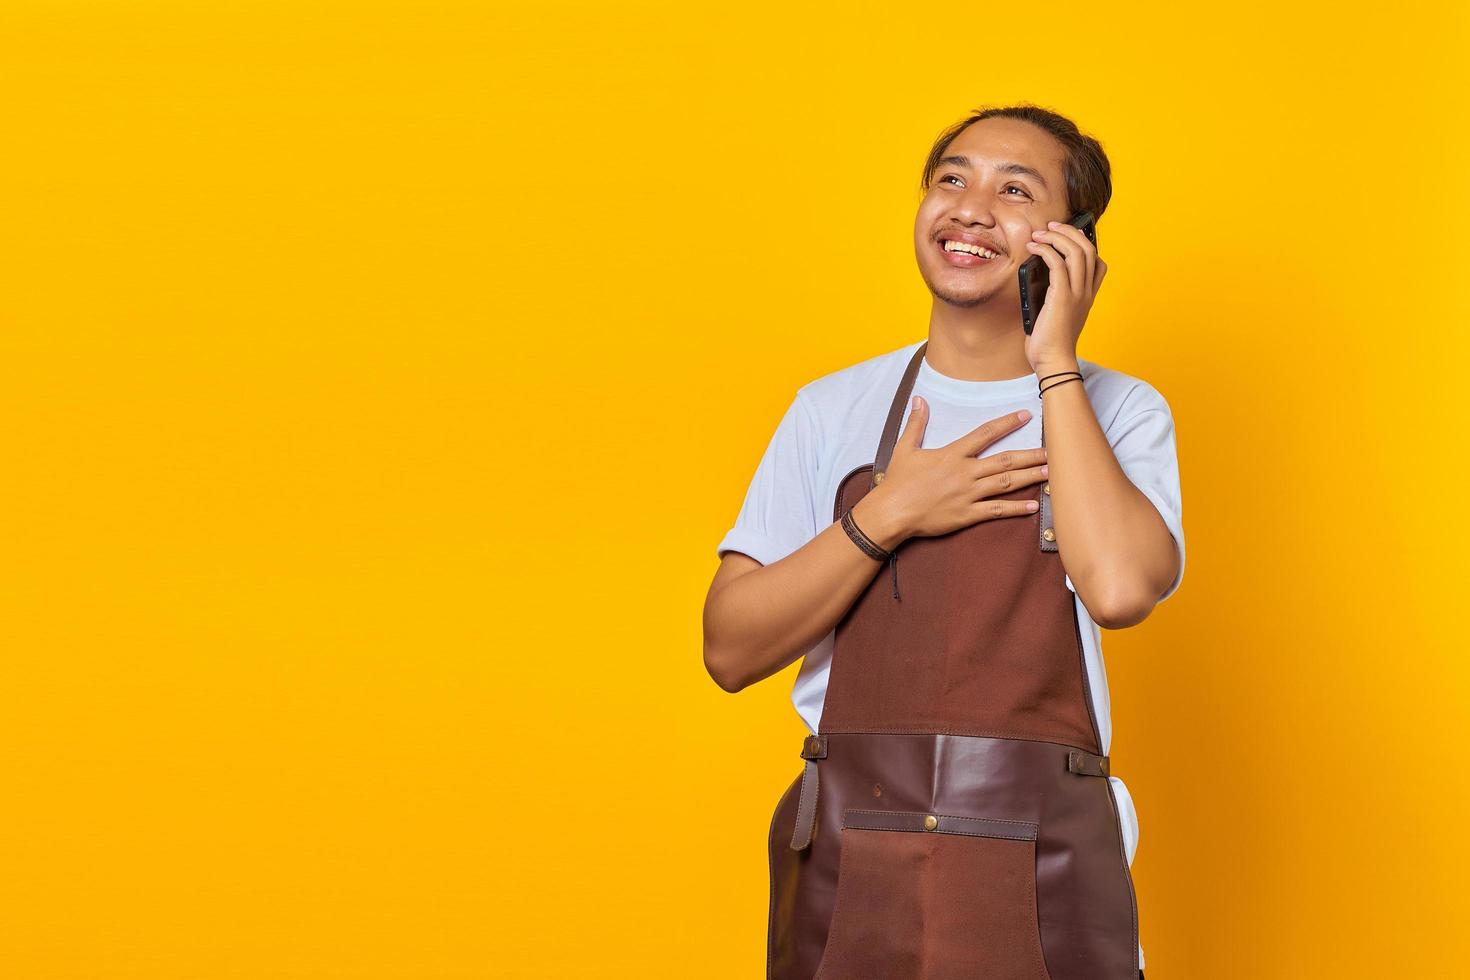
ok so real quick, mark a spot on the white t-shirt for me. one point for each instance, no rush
(834, 424)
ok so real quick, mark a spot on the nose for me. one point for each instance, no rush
(974, 207)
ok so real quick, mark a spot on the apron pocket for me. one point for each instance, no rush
(925, 896)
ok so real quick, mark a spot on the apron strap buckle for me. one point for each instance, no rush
(813, 747)
(1087, 764)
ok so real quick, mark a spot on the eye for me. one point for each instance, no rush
(947, 177)
(1017, 187)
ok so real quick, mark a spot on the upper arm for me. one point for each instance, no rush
(732, 566)
(1142, 437)
(778, 514)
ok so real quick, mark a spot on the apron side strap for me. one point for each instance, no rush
(1046, 530)
(1087, 764)
(1047, 536)
(813, 747)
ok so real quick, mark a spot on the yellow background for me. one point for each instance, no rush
(378, 380)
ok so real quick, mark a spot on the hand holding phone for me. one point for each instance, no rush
(1034, 274)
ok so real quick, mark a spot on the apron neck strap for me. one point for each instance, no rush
(895, 416)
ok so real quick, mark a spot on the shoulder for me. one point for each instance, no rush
(1118, 397)
(840, 391)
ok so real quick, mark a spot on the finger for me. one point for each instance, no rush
(912, 436)
(1073, 233)
(1088, 250)
(1009, 480)
(1014, 460)
(981, 436)
(990, 510)
(1074, 261)
(1056, 265)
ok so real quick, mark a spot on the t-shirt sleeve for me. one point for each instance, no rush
(1142, 438)
(779, 513)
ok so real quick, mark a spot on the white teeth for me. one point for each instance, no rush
(980, 250)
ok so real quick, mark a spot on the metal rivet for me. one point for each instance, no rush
(878, 477)
(877, 789)
(930, 821)
(1046, 489)
(1049, 534)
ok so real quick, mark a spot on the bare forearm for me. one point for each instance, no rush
(1114, 545)
(758, 623)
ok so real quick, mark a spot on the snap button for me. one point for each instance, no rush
(930, 821)
(878, 477)
(1046, 489)
(1049, 534)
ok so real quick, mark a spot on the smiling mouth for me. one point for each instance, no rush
(966, 260)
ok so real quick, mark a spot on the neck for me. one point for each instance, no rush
(980, 343)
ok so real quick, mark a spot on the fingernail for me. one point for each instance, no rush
(914, 402)
(1032, 505)
(1024, 415)
(1045, 470)
(1038, 233)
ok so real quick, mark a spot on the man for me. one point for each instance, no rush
(956, 816)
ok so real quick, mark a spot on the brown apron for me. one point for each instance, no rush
(964, 826)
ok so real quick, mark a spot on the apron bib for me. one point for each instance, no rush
(954, 819)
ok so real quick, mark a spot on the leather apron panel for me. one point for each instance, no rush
(1077, 892)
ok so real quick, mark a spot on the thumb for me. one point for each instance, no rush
(913, 432)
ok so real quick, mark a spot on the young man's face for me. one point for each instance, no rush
(976, 202)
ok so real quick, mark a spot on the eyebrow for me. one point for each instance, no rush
(1009, 167)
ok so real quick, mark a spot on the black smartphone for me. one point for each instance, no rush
(1035, 274)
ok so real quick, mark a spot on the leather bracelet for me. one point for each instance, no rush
(867, 544)
(1058, 385)
(870, 547)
